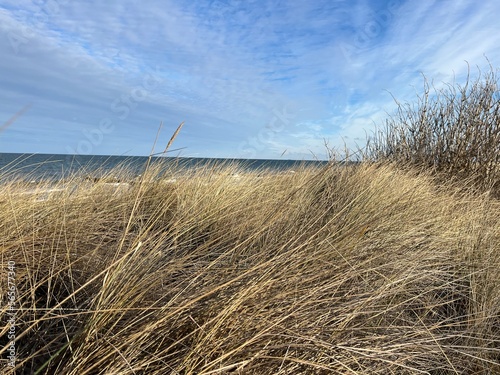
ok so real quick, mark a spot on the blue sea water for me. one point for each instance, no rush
(55, 166)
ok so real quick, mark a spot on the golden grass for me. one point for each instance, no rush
(349, 270)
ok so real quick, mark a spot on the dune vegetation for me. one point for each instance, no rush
(381, 267)
(452, 130)
(345, 269)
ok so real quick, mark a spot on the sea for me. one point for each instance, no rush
(37, 167)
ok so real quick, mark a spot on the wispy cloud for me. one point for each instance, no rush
(226, 68)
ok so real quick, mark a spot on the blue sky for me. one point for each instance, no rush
(251, 79)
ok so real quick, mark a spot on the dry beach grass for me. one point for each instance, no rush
(355, 270)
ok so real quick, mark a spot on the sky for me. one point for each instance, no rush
(250, 79)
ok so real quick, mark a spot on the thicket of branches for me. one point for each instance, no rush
(454, 130)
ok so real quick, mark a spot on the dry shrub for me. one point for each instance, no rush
(454, 131)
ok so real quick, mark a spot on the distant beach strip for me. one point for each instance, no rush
(36, 167)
